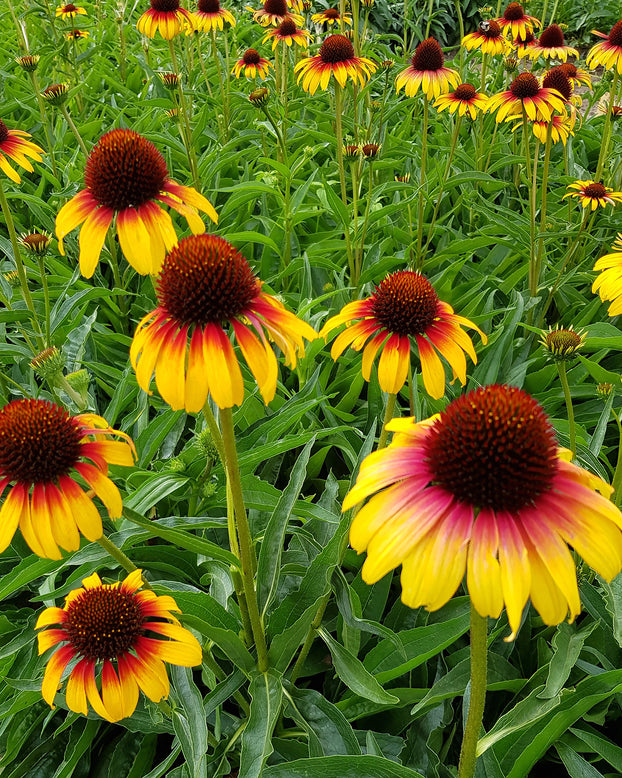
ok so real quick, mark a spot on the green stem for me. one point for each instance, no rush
(247, 551)
(429, 17)
(531, 175)
(617, 476)
(115, 552)
(192, 160)
(306, 647)
(563, 378)
(44, 121)
(46, 300)
(122, 47)
(203, 70)
(424, 154)
(74, 129)
(19, 266)
(358, 259)
(388, 415)
(225, 113)
(342, 173)
(604, 149)
(452, 149)
(543, 199)
(479, 662)
(355, 26)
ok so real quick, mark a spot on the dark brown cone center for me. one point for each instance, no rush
(556, 78)
(331, 13)
(336, 48)
(405, 303)
(4, 131)
(287, 27)
(428, 55)
(251, 57)
(514, 12)
(465, 92)
(595, 190)
(209, 6)
(165, 6)
(275, 7)
(525, 85)
(493, 448)
(552, 37)
(615, 36)
(493, 30)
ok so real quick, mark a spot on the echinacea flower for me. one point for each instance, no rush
(557, 78)
(561, 127)
(167, 17)
(251, 64)
(609, 53)
(483, 488)
(69, 11)
(273, 12)
(593, 194)
(465, 99)
(206, 292)
(119, 634)
(74, 35)
(577, 75)
(56, 94)
(210, 16)
(488, 38)
(36, 243)
(29, 62)
(331, 16)
(124, 176)
(427, 71)
(40, 447)
(289, 33)
(13, 144)
(551, 44)
(336, 56)
(515, 22)
(525, 44)
(609, 282)
(526, 93)
(562, 343)
(405, 306)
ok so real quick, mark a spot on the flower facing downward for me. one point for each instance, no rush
(336, 56)
(330, 16)
(609, 53)
(516, 23)
(404, 306)
(125, 174)
(482, 487)
(593, 194)
(609, 282)
(167, 17)
(576, 75)
(210, 16)
(561, 127)
(121, 635)
(427, 70)
(525, 93)
(41, 446)
(13, 144)
(69, 11)
(274, 12)
(206, 292)
(552, 44)
(251, 64)
(289, 33)
(488, 37)
(465, 99)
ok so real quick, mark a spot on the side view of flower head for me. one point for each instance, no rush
(206, 291)
(40, 447)
(483, 488)
(609, 53)
(516, 23)
(13, 144)
(593, 194)
(336, 56)
(210, 16)
(167, 17)
(427, 72)
(124, 176)
(119, 634)
(404, 306)
(528, 95)
(609, 282)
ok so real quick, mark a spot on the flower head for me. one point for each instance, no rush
(169, 80)
(561, 127)
(206, 292)
(29, 62)
(515, 22)
(273, 12)
(404, 306)
(552, 44)
(289, 33)
(593, 194)
(13, 144)
(70, 11)
(251, 64)
(36, 243)
(562, 343)
(41, 446)
(557, 78)
(576, 75)
(427, 70)
(526, 93)
(125, 174)
(604, 105)
(609, 282)
(330, 16)
(370, 150)
(464, 99)
(336, 56)
(259, 97)
(210, 16)
(74, 35)
(524, 44)
(56, 94)
(609, 53)
(488, 37)
(482, 487)
(167, 17)
(120, 634)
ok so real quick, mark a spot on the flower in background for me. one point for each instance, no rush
(13, 144)
(603, 106)
(210, 16)
(70, 11)
(609, 53)
(36, 243)
(40, 446)
(427, 70)
(331, 16)
(404, 306)
(274, 12)
(593, 194)
(516, 23)
(289, 33)
(551, 44)
(561, 126)
(251, 64)
(207, 291)
(483, 488)
(526, 93)
(74, 35)
(464, 99)
(103, 625)
(29, 62)
(576, 75)
(525, 44)
(124, 176)
(336, 56)
(167, 17)
(609, 282)
(557, 78)
(488, 38)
